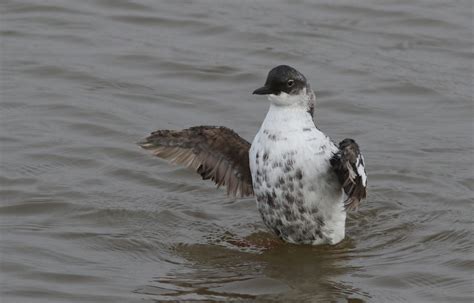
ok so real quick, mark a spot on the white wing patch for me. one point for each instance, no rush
(348, 164)
(361, 169)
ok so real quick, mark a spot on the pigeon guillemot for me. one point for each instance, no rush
(302, 181)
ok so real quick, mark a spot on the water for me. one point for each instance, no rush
(86, 216)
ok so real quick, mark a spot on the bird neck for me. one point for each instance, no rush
(288, 117)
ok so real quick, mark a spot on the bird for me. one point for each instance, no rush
(303, 183)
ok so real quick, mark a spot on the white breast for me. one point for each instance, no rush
(298, 194)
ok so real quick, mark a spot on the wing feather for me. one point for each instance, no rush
(216, 153)
(348, 163)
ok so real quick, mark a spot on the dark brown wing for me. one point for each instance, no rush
(348, 164)
(216, 153)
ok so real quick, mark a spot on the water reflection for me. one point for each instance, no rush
(86, 215)
(285, 272)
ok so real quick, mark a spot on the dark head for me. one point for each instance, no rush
(283, 79)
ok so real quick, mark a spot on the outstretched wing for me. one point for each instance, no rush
(216, 153)
(348, 163)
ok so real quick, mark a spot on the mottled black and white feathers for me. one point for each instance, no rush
(348, 163)
(219, 154)
(302, 181)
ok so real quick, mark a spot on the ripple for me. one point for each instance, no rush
(33, 208)
(11, 182)
(39, 8)
(87, 216)
(456, 239)
(157, 21)
(122, 4)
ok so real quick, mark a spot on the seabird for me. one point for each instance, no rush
(303, 183)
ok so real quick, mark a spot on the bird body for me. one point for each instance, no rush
(298, 194)
(302, 181)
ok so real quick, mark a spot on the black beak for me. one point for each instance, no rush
(264, 90)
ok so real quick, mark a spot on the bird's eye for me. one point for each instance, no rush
(290, 82)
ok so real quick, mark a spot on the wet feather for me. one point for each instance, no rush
(216, 153)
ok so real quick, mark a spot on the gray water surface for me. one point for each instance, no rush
(86, 216)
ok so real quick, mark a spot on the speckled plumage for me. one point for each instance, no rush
(302, 181)
(298, 194)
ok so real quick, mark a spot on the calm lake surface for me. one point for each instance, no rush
(87, 216)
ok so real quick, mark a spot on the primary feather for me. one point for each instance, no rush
(216, 153)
